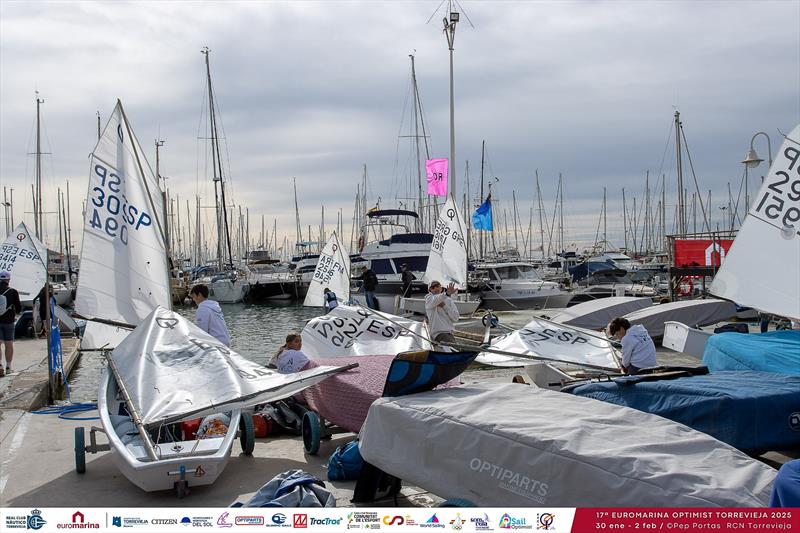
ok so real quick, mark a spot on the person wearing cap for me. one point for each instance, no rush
(9, 307)
(408, 279)
(442, 312)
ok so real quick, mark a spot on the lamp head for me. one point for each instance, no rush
(752, 160)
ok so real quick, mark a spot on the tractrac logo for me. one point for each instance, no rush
(327, 521)
(393, 520)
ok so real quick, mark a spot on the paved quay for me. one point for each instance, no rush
(26, 387)
(38, 468)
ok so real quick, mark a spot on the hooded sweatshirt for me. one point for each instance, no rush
(210, 320)
(638, 348)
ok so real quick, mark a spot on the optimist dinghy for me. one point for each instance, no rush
(517, 446)
(169, 370)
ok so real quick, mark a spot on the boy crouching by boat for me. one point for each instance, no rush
(638, 349)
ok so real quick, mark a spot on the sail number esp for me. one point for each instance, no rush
(110, 211)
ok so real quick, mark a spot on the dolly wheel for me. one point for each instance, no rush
(80, 451)
(247, 435)
(311, 432)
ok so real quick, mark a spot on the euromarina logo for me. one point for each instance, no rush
(509, 522)
(78, 522)
(481, 523)
(544, 521)
(510, 480)
(249, 520)
(432, 522)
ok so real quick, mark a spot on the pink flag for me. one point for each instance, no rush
(436, 169)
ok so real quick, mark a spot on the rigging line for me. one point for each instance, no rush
(739, 196)
(435, 11)
(666, 147)
(694, 177)
(464, 11)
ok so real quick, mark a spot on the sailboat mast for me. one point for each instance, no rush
(561, 211)
(481, 234)
(625, 220)
(37, 204)
(416, 133)
(679, 166)
(297, 213)
(216, 160)
(541, 215)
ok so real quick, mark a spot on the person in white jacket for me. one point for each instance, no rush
(638, 349)
(209, 315)
(442, 312)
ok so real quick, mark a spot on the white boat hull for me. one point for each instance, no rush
(203, 468)
(226, 291)
(685, 339)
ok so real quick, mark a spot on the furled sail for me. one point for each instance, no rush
(25, 257)
(762, 268)
(542, 338)
(447, 262)
(173, 370)
(124, 273)
(332, 272)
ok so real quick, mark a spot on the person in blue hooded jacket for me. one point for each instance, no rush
(638, 349)
(209, 315)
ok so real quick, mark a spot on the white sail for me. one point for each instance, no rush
(447, 262)
(123, 274)
(762, 268)
(542, 338)
(25, 257)
(356, 331)
(332, 272)
(172, 370)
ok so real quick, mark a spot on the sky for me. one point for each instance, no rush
(316, 90)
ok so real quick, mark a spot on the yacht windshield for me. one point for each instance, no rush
(527, 272)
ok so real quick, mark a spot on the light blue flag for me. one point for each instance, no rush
(482, 217)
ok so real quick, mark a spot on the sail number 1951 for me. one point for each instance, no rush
(110, 211)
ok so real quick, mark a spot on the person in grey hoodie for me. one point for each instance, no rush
(638, 349)
(209, 315)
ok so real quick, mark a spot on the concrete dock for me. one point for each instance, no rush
(38, 469)
(26, 387)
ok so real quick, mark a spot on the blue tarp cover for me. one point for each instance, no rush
(752, 411)
(774, 351)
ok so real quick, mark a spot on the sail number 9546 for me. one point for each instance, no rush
(110, 211)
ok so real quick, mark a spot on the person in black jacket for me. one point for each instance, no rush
(8, 313)
(408, 279)
(370, 281)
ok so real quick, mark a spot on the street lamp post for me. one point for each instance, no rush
(450, 33)
(752, 161)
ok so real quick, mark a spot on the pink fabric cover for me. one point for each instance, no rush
(344, 398)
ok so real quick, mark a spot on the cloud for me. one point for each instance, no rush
(314, 90)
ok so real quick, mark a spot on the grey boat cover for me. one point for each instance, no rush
(596, 314)
(514, 445)
(690, 312)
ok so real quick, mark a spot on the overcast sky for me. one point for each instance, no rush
(315, 90)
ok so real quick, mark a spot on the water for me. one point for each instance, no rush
(257, 331)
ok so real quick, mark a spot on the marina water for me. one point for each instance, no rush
(257, 331)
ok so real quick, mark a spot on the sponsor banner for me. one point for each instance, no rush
(684, 519)
(394, 519)
(701, 252)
